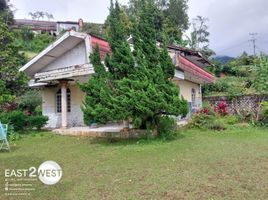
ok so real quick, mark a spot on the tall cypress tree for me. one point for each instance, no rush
(100, 104)
(121, 62)
(156, 68)
(138, 85)
(103, 101)
(145, 35)
(166, 61)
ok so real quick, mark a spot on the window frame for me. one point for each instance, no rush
(58, 100)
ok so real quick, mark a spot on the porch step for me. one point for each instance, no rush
(102, 131)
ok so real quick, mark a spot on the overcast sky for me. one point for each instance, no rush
(230, 21)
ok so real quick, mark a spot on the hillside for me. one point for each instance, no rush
(234, 77)
(223, 59)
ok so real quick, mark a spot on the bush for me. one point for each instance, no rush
(37, 122)
(217, 125)
(31, 101)
(15, 118)
(264, 118)
(265, 109)
(40, 42)
(12, 135)
(34, 44)
(184, 108)
(201, 119)
(231, 119)
(166, 127)
(221, 108)
(229, 85)
(208, 118)
(208, 109)
(20, 121)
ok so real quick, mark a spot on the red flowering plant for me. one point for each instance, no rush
(203, 111)
(221, 108)
(203, 117)
(210, 117)
(207, 109)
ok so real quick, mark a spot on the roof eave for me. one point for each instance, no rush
(187, 65)
(52, 46)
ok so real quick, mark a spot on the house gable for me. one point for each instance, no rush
(75, 56)
(73, 44)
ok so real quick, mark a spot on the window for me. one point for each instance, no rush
(193, 96)
(58, 100)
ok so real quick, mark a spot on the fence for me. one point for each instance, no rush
(239, 104)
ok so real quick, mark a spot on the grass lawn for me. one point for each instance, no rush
(198, 165)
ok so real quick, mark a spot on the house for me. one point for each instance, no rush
(50, 27)
(57, 69)
(190, 74)
(37, 26)
(69, 25)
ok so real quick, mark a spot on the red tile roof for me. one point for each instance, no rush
(194, 69)
(103, 45)
(185, 63)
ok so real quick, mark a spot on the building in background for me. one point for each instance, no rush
(37, 26)
(69, 25)
(50, 27)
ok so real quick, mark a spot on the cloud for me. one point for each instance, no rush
(230, 23)
(89, 10)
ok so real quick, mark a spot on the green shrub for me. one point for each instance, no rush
(15, 118)
(12, 135)
(230, 119)
(207, 118)
(20, 121)
(31, 100)
(203, 117)
(265, 109)
(264, 119)
(184, 108)
(201, 120)
(37, 122)
(229, 85)
(166, 128)
(217, 125)
(208, 109)
(40, 42)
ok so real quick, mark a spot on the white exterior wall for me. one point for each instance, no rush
(74, 118)
(75, 56)
(64, 26)
(186, 87)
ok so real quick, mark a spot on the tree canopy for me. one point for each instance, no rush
(261, 80)
(137, 86)
(199, 38)
(6, 12)
(12, 82)
(170, 18)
